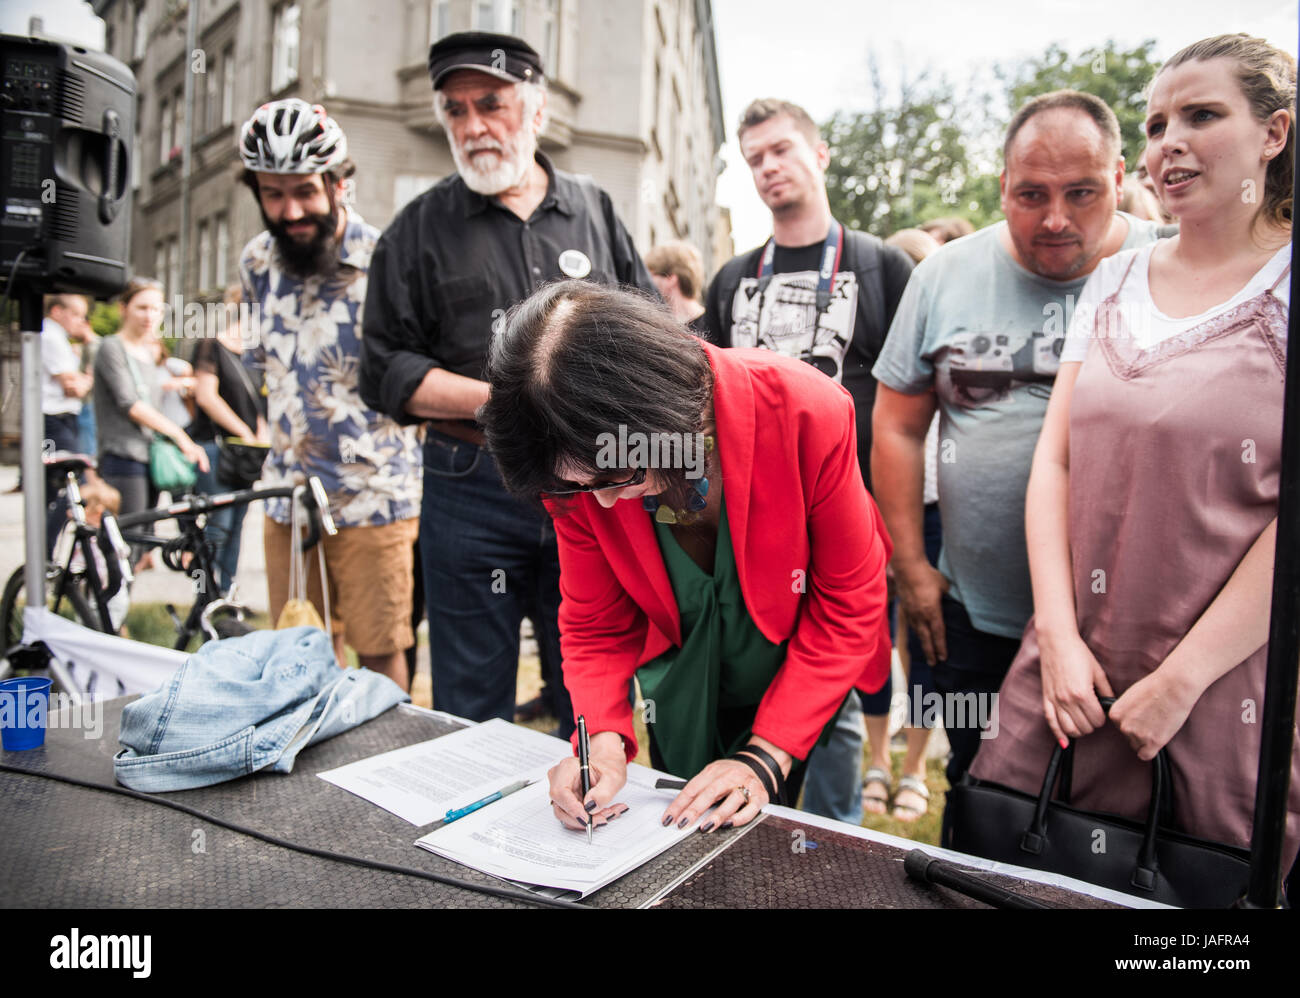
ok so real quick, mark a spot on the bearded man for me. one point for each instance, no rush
(442, 277)
(307, 272)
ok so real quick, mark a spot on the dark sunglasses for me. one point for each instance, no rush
(573, 488)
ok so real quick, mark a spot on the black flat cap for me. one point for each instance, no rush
(503, 56)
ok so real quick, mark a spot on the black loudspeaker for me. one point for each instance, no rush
(67, 118)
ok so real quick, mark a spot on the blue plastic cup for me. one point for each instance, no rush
(24, 705)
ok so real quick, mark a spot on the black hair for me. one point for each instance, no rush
(576, 361)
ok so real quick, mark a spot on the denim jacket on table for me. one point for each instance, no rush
(242, 704)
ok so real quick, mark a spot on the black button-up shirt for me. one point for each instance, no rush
(452, 262)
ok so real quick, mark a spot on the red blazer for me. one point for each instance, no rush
(810, 548)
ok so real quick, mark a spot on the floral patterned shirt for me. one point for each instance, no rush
(306, 337)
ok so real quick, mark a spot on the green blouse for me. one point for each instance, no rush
(706, 692)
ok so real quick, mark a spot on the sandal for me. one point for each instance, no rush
(875, 803)
(908, 812)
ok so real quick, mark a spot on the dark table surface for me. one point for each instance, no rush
(69, 846)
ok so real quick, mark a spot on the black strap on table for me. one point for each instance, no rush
(502, 892)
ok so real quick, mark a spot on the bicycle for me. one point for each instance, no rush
(90, 597)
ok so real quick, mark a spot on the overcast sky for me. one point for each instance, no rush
(814, 52)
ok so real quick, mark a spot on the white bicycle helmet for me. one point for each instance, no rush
(291, 136)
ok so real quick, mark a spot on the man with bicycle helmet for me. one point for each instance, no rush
(308, 273)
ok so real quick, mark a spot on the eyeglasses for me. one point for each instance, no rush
(573, 488)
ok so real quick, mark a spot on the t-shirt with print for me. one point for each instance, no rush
(986, 335)
(307, 340)
(843, 340)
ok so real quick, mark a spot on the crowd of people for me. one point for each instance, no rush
(1053, 444)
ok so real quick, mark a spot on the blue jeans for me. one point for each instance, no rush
(833, 784)
(87, 430)
(977, 663)
(225, 526)
(489, 560)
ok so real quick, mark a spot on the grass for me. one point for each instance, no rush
(152, 624)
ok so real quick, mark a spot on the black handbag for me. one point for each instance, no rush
(239, 462)
(986, 819)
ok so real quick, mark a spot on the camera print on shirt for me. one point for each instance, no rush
(789, 323)
(982, 368)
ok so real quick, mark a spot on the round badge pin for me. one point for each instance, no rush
(575, 263)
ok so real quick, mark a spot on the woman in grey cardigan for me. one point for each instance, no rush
(128, 399)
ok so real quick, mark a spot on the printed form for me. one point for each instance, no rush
(420, 783)
(519, 838)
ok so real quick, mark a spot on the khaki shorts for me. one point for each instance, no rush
(370, 582)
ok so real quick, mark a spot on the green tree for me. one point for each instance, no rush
(900, 163)
(1118, 76)
(106, 318)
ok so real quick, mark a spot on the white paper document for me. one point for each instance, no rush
(420, 783)
(519, 838)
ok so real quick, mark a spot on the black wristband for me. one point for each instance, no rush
(765, 757)
(762, 774)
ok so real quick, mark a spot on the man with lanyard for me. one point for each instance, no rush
(307, 271)
(826, 295)
(443, 275)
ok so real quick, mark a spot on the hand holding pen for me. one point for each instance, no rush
(580, 807)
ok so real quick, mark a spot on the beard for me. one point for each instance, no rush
(516, 156)
(305, 258)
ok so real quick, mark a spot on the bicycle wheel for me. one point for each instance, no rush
(74, 606)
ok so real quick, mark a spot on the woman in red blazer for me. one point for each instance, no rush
(765, 488)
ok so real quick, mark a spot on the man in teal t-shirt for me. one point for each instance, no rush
(978, 336)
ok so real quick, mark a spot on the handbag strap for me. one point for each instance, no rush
(1061, 765)
(243, 374)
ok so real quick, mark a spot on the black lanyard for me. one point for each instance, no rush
(832, 251)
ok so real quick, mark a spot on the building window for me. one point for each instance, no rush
(284, 46)
(221, 252)
(504, 16)
(551, 37)
(137, 151)
(165, 132)
(140, 40)
(173, 279)
(205, 258)
(439, 19)
(210, 117)
(159, 260)
(228, 84)
(178, 120)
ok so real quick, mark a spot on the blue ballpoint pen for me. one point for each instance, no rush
(456, 813)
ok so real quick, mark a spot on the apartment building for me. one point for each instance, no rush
(634, 100)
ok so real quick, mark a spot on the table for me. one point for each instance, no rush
(69, 846)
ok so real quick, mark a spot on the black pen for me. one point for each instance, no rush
(584, 767)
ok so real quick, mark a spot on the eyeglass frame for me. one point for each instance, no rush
(638, 476)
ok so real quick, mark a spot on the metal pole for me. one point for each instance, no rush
(187, 142)
(33, 446)
(1278, 716)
